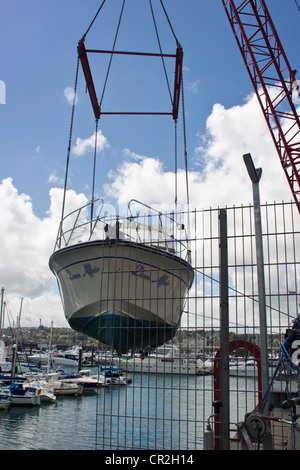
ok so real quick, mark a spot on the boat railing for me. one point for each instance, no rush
(151, 229)
(76, 224)
(173, 235)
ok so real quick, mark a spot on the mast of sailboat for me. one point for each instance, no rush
(50, 348)
(2, 310)
(15, 346)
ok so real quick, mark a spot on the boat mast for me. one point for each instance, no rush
(15, 347)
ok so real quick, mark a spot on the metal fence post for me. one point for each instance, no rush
(224, 334)
(255, 175)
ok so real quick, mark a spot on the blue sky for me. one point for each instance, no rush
(38, 61)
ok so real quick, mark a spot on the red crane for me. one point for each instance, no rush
(273, 80)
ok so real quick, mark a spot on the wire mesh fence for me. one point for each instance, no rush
(171, 400)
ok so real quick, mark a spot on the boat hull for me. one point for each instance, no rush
(19, 396)
(68, 389)
(125, 294)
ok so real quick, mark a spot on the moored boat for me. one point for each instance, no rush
(61, 388)
(249, 368)
(55, 358)
(20, 395)
(88, 384)
(165, 361)
(45, 394)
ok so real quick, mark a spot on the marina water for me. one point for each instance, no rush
(155, 412)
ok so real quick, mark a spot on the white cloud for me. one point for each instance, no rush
(69, 95)
(219, 177)
(147, 182)
(194, 86)
(230, 134)
(84, 146)
(53, 179)
(131, 154)
(26, 244)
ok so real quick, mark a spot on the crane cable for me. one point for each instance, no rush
(185, 144)
(69, 152)
(111, 56)
(168, 19)
(160, 50)
(101, 100)
(93, 20)
(297, 4)
(183, 106)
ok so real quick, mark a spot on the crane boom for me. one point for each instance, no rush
(273, 80)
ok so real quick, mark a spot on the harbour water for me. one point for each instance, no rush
(153, 412)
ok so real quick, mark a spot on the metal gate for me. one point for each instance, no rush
(181, 411)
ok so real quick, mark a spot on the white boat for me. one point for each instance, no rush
(60, 388)
(20, 395)
(105, 357)
(112, 375)
(55, 358)
(45, 394)
(249, 368)
(125, 288)
(162, 362)
(83, 379)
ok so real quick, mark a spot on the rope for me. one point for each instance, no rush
(70, 144)
(177, 42)
(291, 414)
(264, 400)
(185, 144)
(297, 4)
(246, 296)
(83, 37)
(94, 173)
(111, 56)
(160, 49)
(170, 94)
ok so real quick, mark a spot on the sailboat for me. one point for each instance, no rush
(122, 280)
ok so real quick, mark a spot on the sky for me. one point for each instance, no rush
(135, 155)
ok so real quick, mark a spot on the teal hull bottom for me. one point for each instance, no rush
(124, 333)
